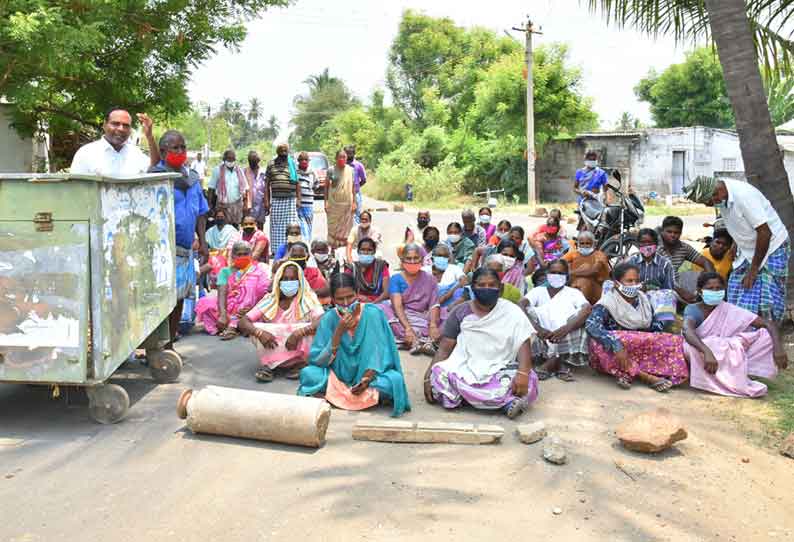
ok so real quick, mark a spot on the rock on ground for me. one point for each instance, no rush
(554, 451)
(531, 433)
(787, 448)
(651, 432)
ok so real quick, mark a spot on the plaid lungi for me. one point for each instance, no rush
(282, 212)
(185, 273)
(767, 297)
(572, 349)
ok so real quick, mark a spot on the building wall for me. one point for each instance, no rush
(16, 153)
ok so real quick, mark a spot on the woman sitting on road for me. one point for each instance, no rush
(485, 358)
(486, 217)
(589, 267)
(448, 275)
(430, 240)
(293, 236)
(364, 230)
(725, 344)
(353, 361)
(558, 313)
(462, 247)
(502, 231)
(281, 324)
(299, 254)
(322, 258)
(626, 340)
(240, 287)
(549, 244)
(513, 260)
(371, 272)
(251, 234)
(414, 311)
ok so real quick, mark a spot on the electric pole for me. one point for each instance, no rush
(209, 132)
(532, 197)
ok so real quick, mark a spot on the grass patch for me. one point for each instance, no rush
(781, 400)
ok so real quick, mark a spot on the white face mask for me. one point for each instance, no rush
(586, 251)
(229, 165)
(591, 163)
(509, 262)
(321, 258)
(556, 280)
(453, 238)
(485, 219)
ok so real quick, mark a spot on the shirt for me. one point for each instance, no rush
(723, 266)
(188, 206)
(278, 179)
(200, 167)
(658, 272)
(100, 158)
(477, 236)
(359, 175)
(746, 209)
(306, 178)
(684, 252)
(591, 179)
(232, 183)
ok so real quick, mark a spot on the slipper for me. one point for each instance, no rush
(293, 374)
(624, 382)
(517, 407)
(416, 349)
(428, 349)
(566, 375)
(228, 334)
(662, 386)
(264, 374)
(543, 374)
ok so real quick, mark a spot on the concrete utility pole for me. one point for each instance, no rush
(532, 197)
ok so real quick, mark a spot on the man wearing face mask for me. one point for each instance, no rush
(228, 188)
(307, 181)
(590, 180)
(283, 194)
(114, 155)
(472, 230)
(190, 209)
(359, 177)
(758, 281)
(256, 181)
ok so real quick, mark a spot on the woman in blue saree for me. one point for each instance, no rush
(353, 360)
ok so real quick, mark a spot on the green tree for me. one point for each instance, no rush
(254, 111)
(692, 93)
(63, 64)
(272, 129)
(327, 96)
(780, 98)
(627, 121)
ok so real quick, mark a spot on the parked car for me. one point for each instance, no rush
(318, 163)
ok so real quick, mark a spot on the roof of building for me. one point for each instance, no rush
(650, 131)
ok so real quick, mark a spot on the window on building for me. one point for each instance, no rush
(729, 164)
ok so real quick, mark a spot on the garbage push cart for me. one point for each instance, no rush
(87, 275)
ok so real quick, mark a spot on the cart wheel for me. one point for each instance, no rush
(108, 403)
(165, 366)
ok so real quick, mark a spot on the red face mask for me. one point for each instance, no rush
(552, 230)
(176, 159)
(304, 164)
(341, 163)
(242, 262)
(412, 268)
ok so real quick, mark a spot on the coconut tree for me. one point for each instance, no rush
(746, 34)
(254, 111)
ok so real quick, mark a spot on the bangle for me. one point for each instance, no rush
(523, 373)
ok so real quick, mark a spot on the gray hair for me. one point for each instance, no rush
(467, 212)
(411, 247)
(495, 258)
(444, 247)
(240, 245)
(585, 235)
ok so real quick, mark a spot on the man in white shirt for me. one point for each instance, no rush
(758, 280)
(114, 155)
(199, 166)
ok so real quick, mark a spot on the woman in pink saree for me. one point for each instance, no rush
(240, 287)
(282, 324)
(725, 344)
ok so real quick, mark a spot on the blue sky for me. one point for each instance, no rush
(352, 38)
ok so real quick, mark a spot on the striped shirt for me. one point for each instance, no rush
(683, 252)
(277, 177)
(306, 178)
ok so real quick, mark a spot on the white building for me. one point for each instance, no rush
(19, 154)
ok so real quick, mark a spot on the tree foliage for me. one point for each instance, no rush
(688, 94)
(63, 64)
(327, 96)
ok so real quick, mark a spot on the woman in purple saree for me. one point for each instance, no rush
(414, 311)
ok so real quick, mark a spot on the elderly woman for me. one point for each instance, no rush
(240, 287)
(462, 247)
(485, 357)
(725, 344)
(626, 340)
(251, 234)
(353, 361)
(299, 254)
(293, 235)
(589, 267)
(558, 313)
(414, 311)
(340, 201)
(282, 322)
(549, 244)
(322, 257)
(371, 273)
(450, 277)
(364, 230)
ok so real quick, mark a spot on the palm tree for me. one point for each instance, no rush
(780, 96)
(254, 111)
(743, 32)
(272, 129)
(321, 80)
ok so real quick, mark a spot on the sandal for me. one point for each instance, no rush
(566, 375)
(293, 374)
(428, 349)
(543, 374)
(228, 334)
(264, 374)
(662, 385)
(517, 407)
(416, 349)
(624, 382)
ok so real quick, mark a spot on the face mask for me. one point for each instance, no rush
(304, 164)
(242, 262)
(485, 219)
(720, 205)
(366, 259)
(341, 163)
(347, 309)
(220, 222)
(713, 298)
(293, 239)
(253, 164)
(552, 230)
(629, 291)
(509, 261)
(229, 164)
(586, 251)
(556, 280)
(412, 268)
(431, 243)
(300, 261)
(281, 157)
(249, 230)
(591, 163)
(365, 225)
(289, 287)
(176, 159)
(441, 263)
(503, 234)
(453, 238)
(321, 257)
(486, 296)
(422, 223)
(648, 250)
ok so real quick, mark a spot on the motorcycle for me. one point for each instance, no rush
(613, 225)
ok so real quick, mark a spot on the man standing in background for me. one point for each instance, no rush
(199, 166)
(228, 189)
(359, 178)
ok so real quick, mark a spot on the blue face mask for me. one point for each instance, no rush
(721, 205)
(713, 297)
(486, 296)
(289, 287)
(347, 309)
(629, 291)
(440, 262)
(366, 259)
